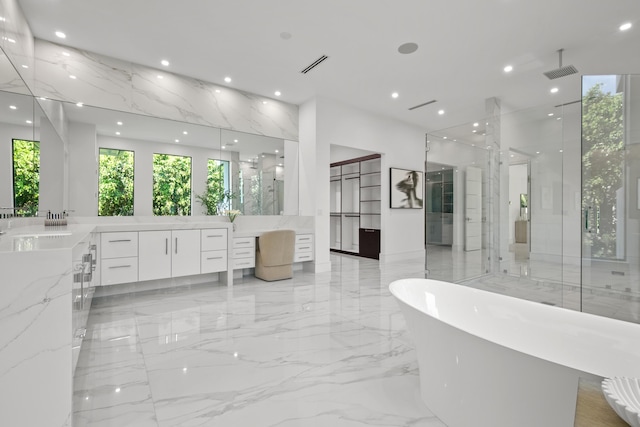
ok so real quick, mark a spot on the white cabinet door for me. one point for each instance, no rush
(155, 249)
(185, 259)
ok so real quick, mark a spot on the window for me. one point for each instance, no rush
(115, 183)
(171, 185)
(217, 196)
(26, 176)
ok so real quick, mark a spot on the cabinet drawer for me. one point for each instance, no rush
(119, 245)
(213, 261)
(244, 242)
(213, 239)
(304, 256)
(243, 263)
(304, 247)
(119, 270)
(304, 238)
(244, 253)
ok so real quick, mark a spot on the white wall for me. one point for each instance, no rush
(52, 167)
(401, 145)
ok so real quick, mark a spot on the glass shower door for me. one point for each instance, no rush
(610, 196)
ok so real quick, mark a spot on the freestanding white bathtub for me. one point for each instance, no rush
(489, 360)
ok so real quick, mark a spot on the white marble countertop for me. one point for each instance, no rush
(40, 238)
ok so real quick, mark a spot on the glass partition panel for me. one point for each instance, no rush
(456, 203)
(610, 220)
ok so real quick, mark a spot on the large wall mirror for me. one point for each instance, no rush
(32, 153)
(101, 162)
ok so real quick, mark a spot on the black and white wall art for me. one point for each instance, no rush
(406, 189)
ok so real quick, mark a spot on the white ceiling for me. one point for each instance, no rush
(463, 47)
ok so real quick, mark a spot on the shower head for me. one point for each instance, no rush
(561, 71)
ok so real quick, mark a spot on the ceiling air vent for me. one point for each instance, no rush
(423, 104)
(314, 64)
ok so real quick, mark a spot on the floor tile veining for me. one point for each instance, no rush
(316, 350)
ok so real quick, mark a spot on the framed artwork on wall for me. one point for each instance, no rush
(406, 188)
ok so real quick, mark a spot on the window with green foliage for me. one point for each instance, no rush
(171, 185)
(217, 196)
(26, 176)
(603, 164)
(115, 183)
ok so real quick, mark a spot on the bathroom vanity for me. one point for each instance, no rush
(49, 275)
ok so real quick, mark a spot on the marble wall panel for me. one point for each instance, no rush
(99, 80)
(176, 97)
(110, 83)
(17, 39)
(35, 358)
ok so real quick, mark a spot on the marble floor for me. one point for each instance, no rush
(316, 350)
(325, 349)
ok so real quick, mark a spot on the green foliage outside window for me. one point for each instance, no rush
(115, 183)
(216, 198)
(603, 155)
(171, 185)
(26, 176)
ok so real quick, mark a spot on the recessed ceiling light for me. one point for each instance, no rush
(29, 122)
(72, 77)
(508, 69)
(277, 151)
(66, 53)
(554, 90)
(217, 90)
(176, 140)
(25, 66)
(117, 133)
(184, 132)
(165, 62)
(264, 102)
(625, 26)
(279, 164)
(550, 114)
(223, 147)
(42, 98)
(160, 77)
(119, 123)
(444, 137)
(537, 152)
(441, 112)
(512, 155)
(407, 48)
(118, 390)
(476, 124)
(474, 131)
(13, 107)
(10, 40)
(61, 34)
(79, 104)
(227, 79)
(560, 151)
(235, 140)
(455, 140)
(277, 93)
(559, 118)
(394, 95)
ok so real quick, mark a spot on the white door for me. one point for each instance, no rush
(185, 259)
(473, 210)
(154, 259)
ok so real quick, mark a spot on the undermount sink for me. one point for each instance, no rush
(44, 235)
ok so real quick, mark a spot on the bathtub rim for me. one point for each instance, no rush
(585, 342)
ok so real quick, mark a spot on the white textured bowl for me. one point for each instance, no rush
(623, 394)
